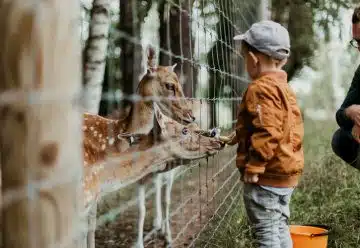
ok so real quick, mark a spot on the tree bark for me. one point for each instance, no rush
(40, 139)
(298, 17)
(129, 27)
(95, 54)
(300, 27)
(176, 37)
(131, 52)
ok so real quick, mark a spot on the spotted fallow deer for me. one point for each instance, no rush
(163, 82)
(105, 140)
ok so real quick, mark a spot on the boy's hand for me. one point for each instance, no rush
(356, 133)
(229, 140)
(251, 178)
(224, 139)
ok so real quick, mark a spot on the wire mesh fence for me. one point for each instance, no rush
(197, 35)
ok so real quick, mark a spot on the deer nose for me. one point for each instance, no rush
(191, 115)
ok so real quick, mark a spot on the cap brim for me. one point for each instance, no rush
(239, 37)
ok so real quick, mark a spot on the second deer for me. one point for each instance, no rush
(139, 119)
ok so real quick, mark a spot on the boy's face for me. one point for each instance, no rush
(255, 63)
(252, 64)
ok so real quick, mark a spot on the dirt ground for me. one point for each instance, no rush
(197, 194)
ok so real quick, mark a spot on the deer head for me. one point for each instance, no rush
(162, 82)
(186, 144)
(133, 156)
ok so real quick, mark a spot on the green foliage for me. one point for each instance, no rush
(302, 17)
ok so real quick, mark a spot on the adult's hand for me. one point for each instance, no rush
(353, 112)
(356, 132)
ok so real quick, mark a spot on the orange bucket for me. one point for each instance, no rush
(309, 236)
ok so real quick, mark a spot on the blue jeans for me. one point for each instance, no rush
(268, 214)
(345, 146)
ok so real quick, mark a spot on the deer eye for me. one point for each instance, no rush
(170, 86)
(185, 131)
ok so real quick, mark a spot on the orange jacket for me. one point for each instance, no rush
(269, 132)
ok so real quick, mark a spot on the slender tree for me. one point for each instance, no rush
(176, 37)
(132, 15)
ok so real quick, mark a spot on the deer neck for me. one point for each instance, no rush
(140, 119)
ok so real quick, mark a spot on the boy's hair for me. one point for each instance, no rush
(356, 16)
(246, 47)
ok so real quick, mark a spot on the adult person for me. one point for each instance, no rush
(345, 141)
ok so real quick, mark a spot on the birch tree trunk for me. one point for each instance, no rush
(40, 135)
(95, 54)
(264, 10)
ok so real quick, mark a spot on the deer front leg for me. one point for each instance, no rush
(158, 206)
(166, 227)
(142, 213)
(91, 226)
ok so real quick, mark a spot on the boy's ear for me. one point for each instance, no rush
(252, 55)
(281, 63)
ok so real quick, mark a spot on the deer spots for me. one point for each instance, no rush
(84, 128)
(103, 147)
(111, 141)
(92, 128)
(20, 117)
(49, 153)
(4, 111)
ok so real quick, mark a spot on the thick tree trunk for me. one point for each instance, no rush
(40, 140)
(129, 27)
(299, 20)
(176, 37)
(300, 26)
(131, 52)
(95, 54)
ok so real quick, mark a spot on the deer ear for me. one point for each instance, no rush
(159, 116)
(172, 68)
(150, 52)
(150, 57)
(150, 72)
(158, 125)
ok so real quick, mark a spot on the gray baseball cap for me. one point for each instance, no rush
(268, 37)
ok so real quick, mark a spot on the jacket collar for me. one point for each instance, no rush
(279, 74)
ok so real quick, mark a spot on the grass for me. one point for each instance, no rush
(328, 194)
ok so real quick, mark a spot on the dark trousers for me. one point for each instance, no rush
(345, 147)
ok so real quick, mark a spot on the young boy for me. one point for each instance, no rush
(269, 134)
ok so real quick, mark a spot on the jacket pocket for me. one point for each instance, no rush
(286, 161)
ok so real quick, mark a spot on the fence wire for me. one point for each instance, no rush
(198, 36)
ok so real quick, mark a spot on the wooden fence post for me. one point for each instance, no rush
(40, 123)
